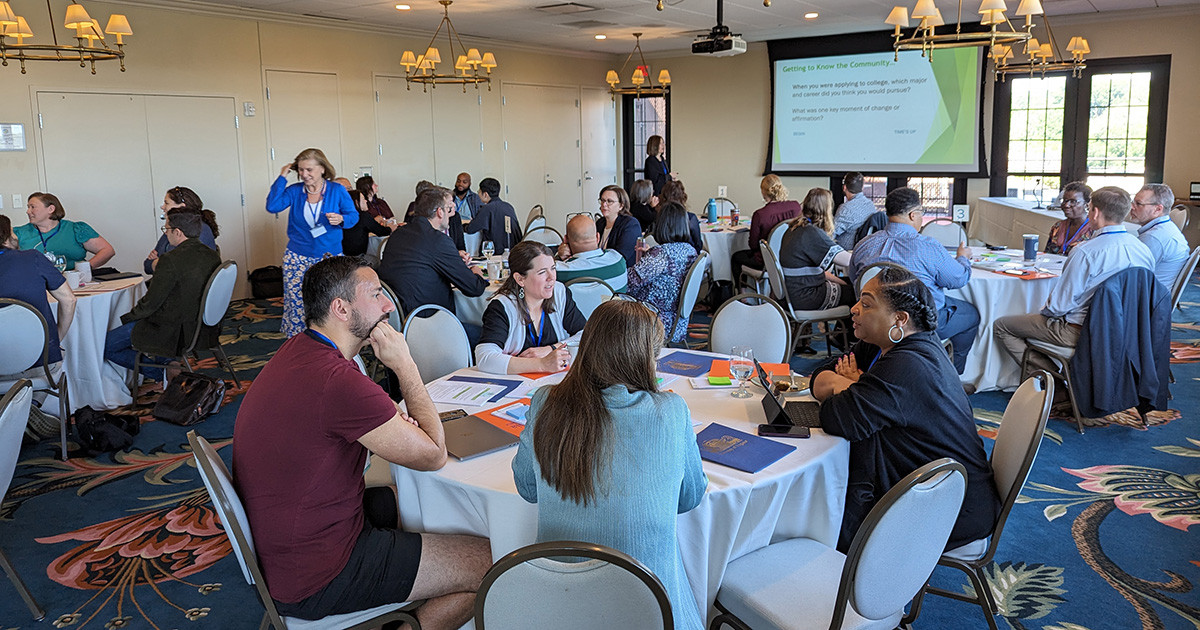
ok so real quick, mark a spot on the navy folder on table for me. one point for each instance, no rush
(686, 364)
(736, 449)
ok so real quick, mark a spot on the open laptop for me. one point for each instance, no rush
(800, 413)
(471, 436)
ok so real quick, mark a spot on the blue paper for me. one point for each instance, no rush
(508, 385)
(517, 412)
(730, 447)
(685, 364)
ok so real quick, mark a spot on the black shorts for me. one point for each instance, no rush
(381, 570)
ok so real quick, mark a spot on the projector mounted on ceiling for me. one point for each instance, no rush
(719, 43)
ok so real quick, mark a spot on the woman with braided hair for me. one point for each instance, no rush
(897, 398)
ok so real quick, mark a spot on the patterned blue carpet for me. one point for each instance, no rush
(1099, 540)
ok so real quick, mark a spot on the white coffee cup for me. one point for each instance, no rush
(85, 270)
(74, 279)
(572, 349)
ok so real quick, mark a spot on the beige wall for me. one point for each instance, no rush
(720, 107)
(203, 54)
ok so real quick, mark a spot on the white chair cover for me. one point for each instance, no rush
(22, 337)
(438, 343)
(1181, 280)
(545, 235)
(691, 286)
(536, 217)
(396, 317)
(948, 233)
(588, 294)
(220, 293)
(764, 327)
(14, 413)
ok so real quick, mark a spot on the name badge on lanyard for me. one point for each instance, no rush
(312, 214)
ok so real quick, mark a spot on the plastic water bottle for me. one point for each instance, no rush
(712, 210)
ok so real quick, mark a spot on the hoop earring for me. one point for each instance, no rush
(895, 327)
(521, 293)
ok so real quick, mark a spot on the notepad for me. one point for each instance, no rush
(736, 449)
(720, 369)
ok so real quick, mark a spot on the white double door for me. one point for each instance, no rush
(110, 158)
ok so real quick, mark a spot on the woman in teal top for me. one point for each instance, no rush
(49, 233)
(611, 460)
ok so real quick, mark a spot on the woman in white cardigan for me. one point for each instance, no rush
(529, 317)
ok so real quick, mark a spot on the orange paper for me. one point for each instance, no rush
(533, 376)
(492, 416)
(720, 368)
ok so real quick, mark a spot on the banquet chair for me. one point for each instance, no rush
(800, 319)
(800, 583)
(382, 246)
(14, 413)
(218, 293)
(1181, 280)
(946, 232)
(762, 326)
(589, 292)
(395, 320)
(536, 217)
(1179, 215)
(437, 342)
(1017, 443)
(532, 588)
(872, 270)
(545, 235)
(228, 504)
(691, 290)
(757, 278)
(24, 340)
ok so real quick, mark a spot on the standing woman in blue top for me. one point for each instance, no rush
(55, 237)
(616, 226)
(610, 459)
(318, 209)
(655, 169)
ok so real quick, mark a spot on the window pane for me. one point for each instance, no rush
(1035, 132)
(1131, 183)
(1117, 127)
(649, 119)
(875, 188)
(1033, 188)
(936, 195)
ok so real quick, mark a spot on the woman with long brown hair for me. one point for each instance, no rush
(529, 317)
(807, 254)
(186, 198)
(611, 460)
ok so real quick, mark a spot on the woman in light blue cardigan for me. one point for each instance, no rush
(318, 208)
(611, 460)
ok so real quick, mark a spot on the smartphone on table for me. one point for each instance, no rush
(783, 431)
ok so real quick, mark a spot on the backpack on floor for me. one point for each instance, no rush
(190, 398)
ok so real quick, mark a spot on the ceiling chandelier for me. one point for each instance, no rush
(1043, 57)
(640, 82)
(423, 68)
(95, 48)
(925, 39)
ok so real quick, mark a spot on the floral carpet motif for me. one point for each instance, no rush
(1100, 539)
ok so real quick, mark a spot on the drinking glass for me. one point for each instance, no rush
(741, 366)
(60, 264)
(488, 249)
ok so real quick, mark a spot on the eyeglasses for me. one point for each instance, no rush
(624, 297)
(609, 202)
(165, 228)
(1073, 202)
(1148, 203)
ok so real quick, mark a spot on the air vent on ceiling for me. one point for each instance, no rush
(565, 8)
(326, 17)
(589, 24)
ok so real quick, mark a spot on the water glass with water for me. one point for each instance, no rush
(488, 249)
(741, 366)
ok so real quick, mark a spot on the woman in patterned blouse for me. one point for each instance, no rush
(658, 277)
(1075, 229)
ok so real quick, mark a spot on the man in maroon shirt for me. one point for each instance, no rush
(299, 446)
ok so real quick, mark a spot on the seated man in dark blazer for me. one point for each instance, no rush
(163, 322)
(421, 263)
(496, 218)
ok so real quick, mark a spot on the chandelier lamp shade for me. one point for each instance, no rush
(422, 67)
(640, 83)
(90, 45)
(1000, 36)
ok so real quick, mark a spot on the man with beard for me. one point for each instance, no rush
(326, 545)
(465, 199)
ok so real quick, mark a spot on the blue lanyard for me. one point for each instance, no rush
(1120, 231)
(320, 337)
(537, 341)
(1079, 229)
(45, 247)
(1151, 226)
(663, 161)
(877, 355)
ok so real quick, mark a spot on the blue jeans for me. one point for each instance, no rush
(958, 321)
(118, 348)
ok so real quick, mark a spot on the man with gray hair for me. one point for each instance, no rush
(1111, 249)
(1151, 208)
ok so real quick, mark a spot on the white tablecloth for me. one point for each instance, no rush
(470, 309)
(1004, 221)
(802, 494)
(995, 295)
(90, 379)
(721, 241)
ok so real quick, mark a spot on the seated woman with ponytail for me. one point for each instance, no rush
(897, 398)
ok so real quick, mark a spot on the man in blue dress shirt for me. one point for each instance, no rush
(1111, 249)
(853, 212)
(901, 243)
(1159, 232)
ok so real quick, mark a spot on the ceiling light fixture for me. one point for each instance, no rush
(602, 37)
(402, 7)
(423, 68)
(1043, 57)
(925, 39)
(641, 83)
(95, 49)
(811, 15)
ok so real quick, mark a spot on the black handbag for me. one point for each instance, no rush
(266, 282)
(100, 432)
(190, 398)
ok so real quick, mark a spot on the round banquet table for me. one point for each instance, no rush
(802, 494)
(469, 310)
(995, 295)
(98, 309)
(721, 241)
